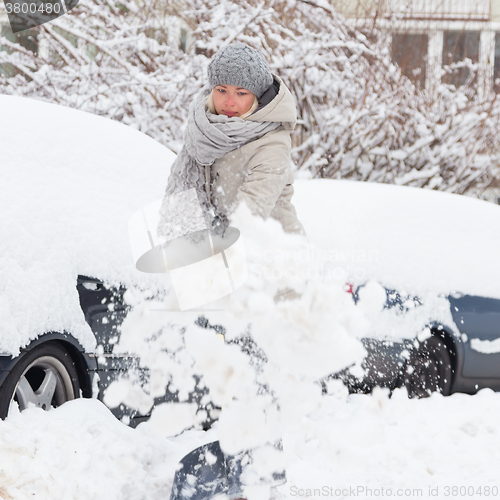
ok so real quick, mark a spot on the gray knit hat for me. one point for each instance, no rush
(240, 65)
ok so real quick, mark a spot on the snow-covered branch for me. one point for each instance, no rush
(359, 116)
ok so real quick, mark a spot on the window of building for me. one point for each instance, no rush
(26, 38)
(458, 46)
(183, 39)
(409, 52)
(496, 67)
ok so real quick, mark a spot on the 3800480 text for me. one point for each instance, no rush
(32, 8)
(470, 491)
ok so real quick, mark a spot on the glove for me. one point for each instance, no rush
(219, 224)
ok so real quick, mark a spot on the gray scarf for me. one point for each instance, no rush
(208, 137)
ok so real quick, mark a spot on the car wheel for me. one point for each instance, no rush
(45, 376)
(429, 369)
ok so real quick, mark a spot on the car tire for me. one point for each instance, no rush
(429, 369)
(45, 376)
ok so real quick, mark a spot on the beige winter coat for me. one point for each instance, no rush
(260, 172)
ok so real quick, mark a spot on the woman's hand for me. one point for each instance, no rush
(219, 224)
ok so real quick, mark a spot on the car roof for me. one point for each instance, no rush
(70, 181)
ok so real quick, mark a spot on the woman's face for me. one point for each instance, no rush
(232, 101)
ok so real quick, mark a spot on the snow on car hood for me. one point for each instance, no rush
(70, 181)
(406, 238)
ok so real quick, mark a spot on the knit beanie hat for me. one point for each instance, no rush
(240, 65)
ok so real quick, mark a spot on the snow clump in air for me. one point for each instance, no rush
(269, 386)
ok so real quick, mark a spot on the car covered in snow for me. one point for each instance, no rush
(69, 183)
(432, 260)
(72, 180)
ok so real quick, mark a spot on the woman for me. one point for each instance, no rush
(237, 146)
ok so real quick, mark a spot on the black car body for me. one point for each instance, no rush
(87, 374)
(446, 359)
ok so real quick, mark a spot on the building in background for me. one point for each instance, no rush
(438, 41)
(427, 36)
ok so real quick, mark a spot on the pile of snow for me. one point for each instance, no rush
(485, 346)
(408, 448)
(439, 447)
(80, 451)
(270, 395)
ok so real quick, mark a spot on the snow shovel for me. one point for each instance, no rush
(206, 472)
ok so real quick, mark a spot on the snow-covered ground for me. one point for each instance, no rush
(70, 182)
(359, 447)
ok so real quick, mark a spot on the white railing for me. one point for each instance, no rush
(439, 9)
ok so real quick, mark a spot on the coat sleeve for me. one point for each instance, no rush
(269, 173)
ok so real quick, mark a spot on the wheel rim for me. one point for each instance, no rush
(426, 377)
(431, 371)
(45, 383)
